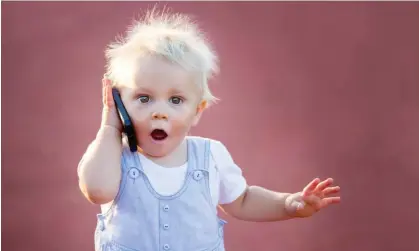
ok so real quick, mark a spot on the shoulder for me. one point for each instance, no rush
(229, 176)
(217, 148)
(220, 157)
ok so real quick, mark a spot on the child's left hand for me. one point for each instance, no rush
(315, 196)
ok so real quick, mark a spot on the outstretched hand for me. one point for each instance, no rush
(315, 196)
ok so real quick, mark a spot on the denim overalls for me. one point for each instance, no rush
(140, 219)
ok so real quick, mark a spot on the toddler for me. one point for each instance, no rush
(165, 195)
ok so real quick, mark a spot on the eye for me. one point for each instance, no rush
(144, 99)
(176, 100)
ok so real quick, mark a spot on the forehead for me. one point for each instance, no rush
(159, 74)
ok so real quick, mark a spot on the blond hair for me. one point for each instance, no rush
(173, 37)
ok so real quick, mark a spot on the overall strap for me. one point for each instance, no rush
(198, 153)
(129, 159)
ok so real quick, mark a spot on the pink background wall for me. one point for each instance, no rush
(307, 89)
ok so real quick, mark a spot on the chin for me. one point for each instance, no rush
(157, 154)
(159, 148)
(158, 151)
(152, 152)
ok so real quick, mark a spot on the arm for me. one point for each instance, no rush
(100, 168)
(255, 203)
(260, 204)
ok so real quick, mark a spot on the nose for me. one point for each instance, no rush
(159, 116)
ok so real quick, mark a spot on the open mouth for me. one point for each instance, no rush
(158, 134)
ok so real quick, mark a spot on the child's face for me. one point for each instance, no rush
(164, 102)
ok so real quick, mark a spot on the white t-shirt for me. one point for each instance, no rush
(225, 177)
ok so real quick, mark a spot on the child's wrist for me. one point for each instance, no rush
(106, 130)
(289, 210)
(110, 118)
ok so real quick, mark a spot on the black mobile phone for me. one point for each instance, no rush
(126, 121)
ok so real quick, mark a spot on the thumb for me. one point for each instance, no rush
(297, 205)
(294, 204)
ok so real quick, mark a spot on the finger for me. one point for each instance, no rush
(104, 91)
(330, 190)
(322, 185)
(310, 187)
(312, 200)
(328, 201)
(109, 95)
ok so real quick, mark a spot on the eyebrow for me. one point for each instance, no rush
(142, 89)
(171, 91)
(175, 90)
(179, 92)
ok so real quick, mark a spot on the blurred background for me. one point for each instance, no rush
(307, 90)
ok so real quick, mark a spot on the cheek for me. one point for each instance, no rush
(183, 119)
(140, 118)
(137, 113)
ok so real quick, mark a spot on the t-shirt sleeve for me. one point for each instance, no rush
(232, 182)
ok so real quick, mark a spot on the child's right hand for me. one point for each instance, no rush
(109, 114)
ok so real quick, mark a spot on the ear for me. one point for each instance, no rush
(199, 110)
